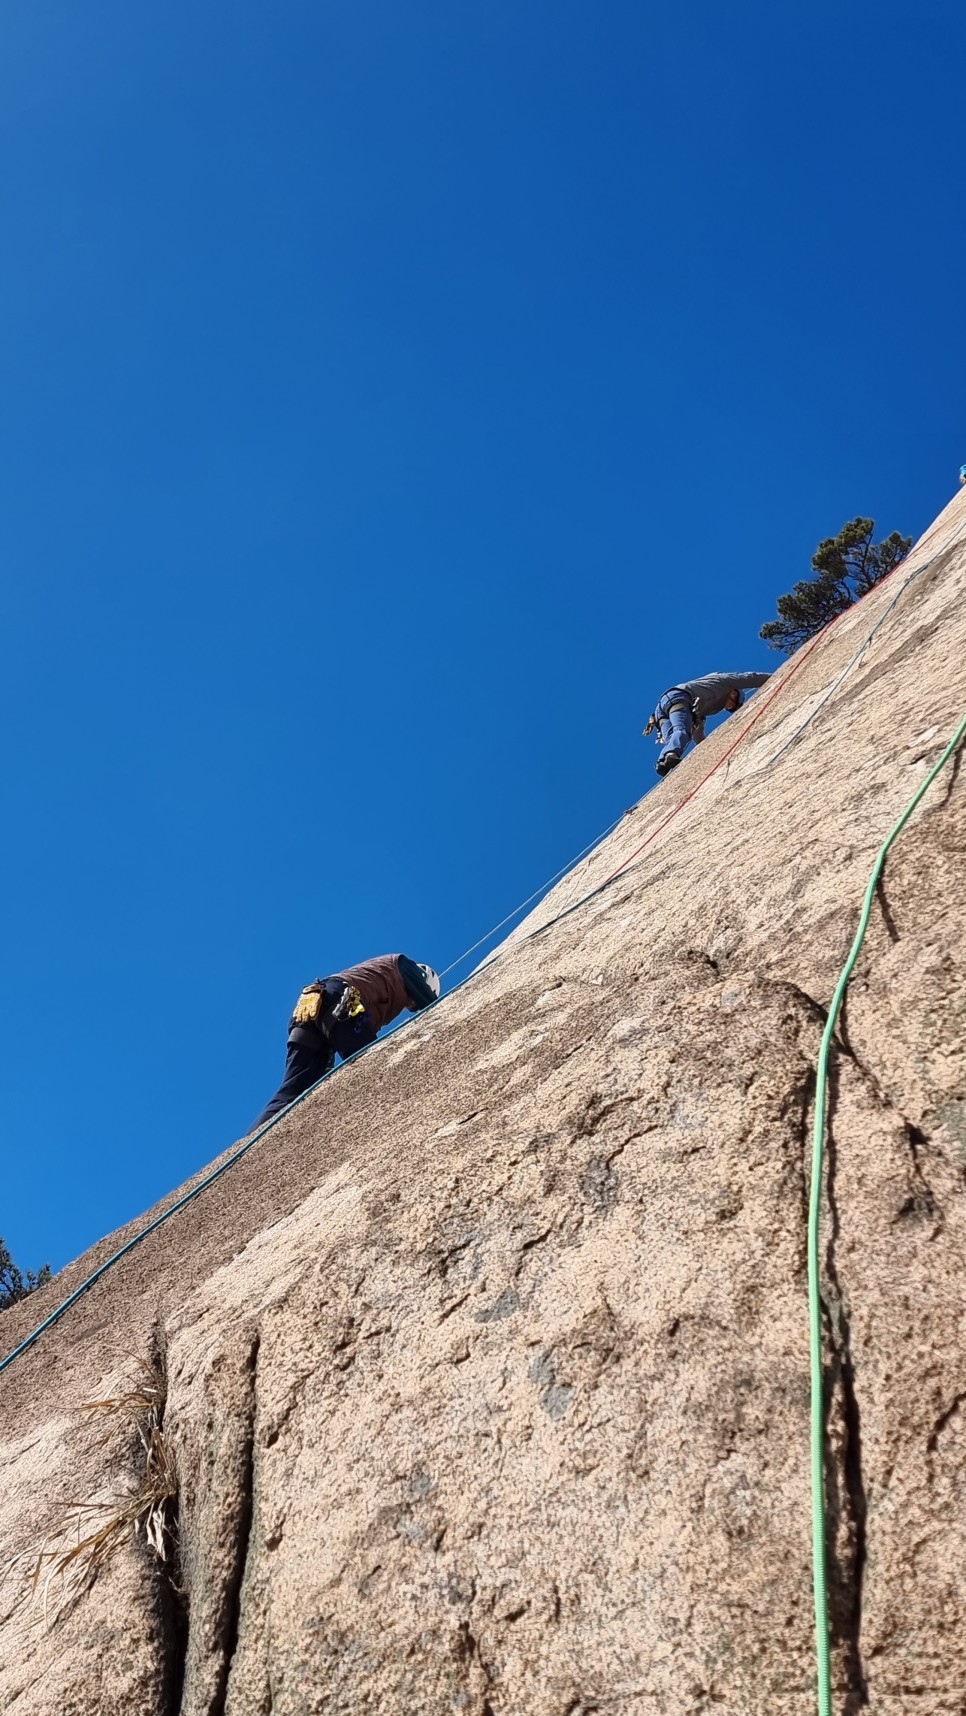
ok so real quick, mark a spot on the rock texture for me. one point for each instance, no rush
(488, 1381)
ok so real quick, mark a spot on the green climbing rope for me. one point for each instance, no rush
(819, 1567)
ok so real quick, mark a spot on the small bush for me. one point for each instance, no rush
(14, 1284)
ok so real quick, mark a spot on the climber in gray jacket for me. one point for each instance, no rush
(682, 711)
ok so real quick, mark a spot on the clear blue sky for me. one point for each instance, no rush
(395, 399)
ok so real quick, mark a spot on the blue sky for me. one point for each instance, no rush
(395, 399)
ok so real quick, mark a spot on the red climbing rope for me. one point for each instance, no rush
(760, 707)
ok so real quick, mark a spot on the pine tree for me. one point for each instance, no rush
(845, 567)
(14, 1284)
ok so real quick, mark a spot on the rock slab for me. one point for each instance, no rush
(488, 1373)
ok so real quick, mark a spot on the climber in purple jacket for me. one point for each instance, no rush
(682, 711)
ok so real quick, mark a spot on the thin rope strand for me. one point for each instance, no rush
(537, 893)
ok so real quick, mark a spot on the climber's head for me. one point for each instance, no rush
(422, 984)
(431, 979)
(733, 701)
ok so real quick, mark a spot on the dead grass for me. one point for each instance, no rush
(91, 1532)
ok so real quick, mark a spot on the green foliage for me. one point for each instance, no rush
(14, 1284)
(845, 567)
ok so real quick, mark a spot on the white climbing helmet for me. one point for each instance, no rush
(431, 977)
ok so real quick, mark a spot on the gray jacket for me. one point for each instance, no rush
(710, 694)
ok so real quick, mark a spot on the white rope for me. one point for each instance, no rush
(537, 893)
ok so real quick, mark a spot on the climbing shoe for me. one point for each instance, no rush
(663, 764)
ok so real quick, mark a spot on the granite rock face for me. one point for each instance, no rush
(488, 1372)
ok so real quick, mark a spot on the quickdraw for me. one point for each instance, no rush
(349, 1005)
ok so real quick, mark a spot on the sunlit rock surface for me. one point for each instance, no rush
(488, 1378)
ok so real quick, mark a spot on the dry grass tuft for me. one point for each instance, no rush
(91, 1532)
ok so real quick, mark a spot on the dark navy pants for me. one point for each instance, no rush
(303, 1067)
(307, 1060)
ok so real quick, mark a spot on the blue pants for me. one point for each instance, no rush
(675, 724)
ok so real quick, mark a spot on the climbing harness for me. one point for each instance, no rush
(758, 709)
(256, 1137)
(819, 1557)
(654, 721)
(761, 703)
(314, 1001)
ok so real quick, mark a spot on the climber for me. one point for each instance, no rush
(682, 711)
(338, 1015)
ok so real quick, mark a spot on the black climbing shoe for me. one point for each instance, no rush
(663, 764)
